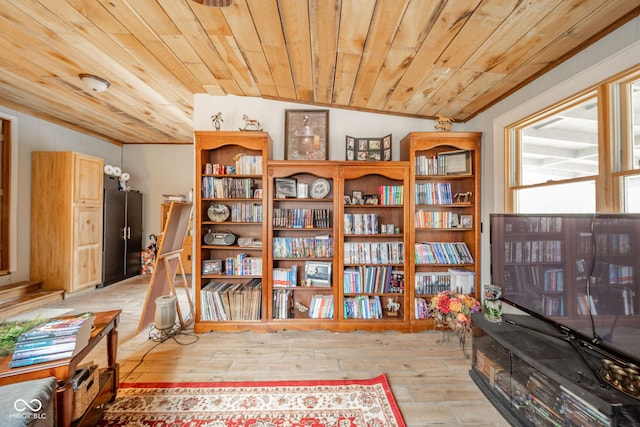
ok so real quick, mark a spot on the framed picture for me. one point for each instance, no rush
(466, 221)
(318, 273)
(347, 199)
(257, 193)
(356, 197)
(306, 135)
(370, 199)
(212, 266)
(286, 188)
(368, 149)
(456, 162)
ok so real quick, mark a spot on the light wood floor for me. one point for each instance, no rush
(430, 381)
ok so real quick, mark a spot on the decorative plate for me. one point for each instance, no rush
(320, 188)
(218, 212)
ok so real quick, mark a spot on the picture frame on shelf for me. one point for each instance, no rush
(317, 273)
(466, 221)
(286, 188)
(257, 193)
(456, 162)
(371, 199)
(347, 199)
(368, 149)
(306, 135)
(356, 197)
(212, 266)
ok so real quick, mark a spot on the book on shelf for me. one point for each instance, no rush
(586, 305)
(321, 306)
(221, 301)
(248, 165)
(442, 253)
(285, 277)
(363, 307)
(433, 193)
(53, 340)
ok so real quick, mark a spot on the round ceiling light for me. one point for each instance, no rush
(95, 83)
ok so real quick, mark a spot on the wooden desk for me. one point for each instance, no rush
(106, 323)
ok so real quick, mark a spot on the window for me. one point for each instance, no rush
(580, 156)
(557, 159)
(626, 96)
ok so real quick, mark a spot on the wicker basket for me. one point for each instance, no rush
(85, 388)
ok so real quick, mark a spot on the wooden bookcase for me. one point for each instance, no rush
(373, 244)
(229, 199)
(302, 240)
(445, 212)
(354, 243)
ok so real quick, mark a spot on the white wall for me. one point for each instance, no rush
(158, 169)
(270, 114)
(615, 53)
(32, 134)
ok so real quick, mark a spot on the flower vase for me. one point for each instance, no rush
(492, 305)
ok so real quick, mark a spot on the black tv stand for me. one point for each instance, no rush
(534, 375)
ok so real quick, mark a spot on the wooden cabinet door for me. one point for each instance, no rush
(88, 176)
(87, 246)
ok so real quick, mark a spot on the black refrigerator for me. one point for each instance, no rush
(122, 233)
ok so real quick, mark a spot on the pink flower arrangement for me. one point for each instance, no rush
(453, 310)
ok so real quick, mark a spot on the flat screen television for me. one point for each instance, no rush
(579, 272)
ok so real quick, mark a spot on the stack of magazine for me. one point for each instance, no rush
(53, 340)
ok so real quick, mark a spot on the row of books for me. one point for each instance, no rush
(248, 165)
(442, 253)
(243, 265)
(459, 280)
(303, 247)
(421, 308)
(282, 304)
(433, 193)
(534, 224)
(553, 305)
(320, 307)
(373, 280)
(361, 223)
(580, 413)
(285, 277)
(231, 301)
(52, 340)
(522, 276)
(302, 218)
(440, 219)
(606, 244)
(363, 307)
(437, 164)
(533, 251)
(373, 252)
(227, 188)
(391, 195)
(246, 212)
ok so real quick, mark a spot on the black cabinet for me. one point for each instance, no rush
(122, 233)
(535, 378)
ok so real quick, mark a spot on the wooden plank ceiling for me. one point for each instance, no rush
(407, 57)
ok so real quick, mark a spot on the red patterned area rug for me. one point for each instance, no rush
(331, 403)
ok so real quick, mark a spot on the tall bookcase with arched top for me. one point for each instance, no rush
(445, 216)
